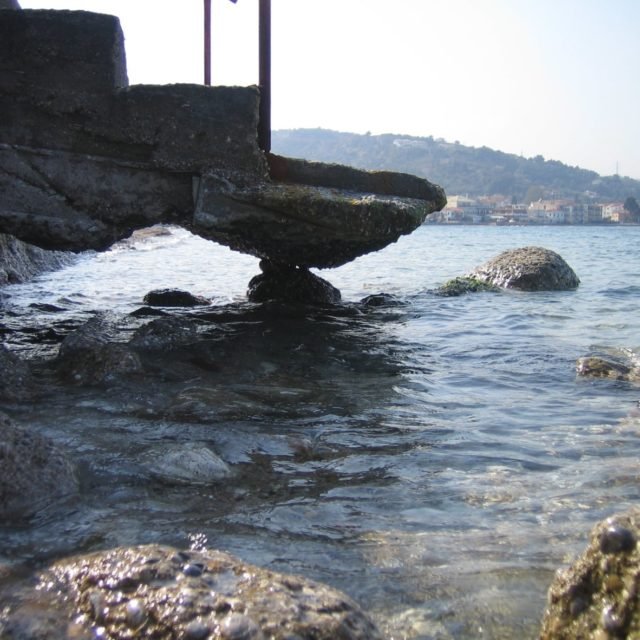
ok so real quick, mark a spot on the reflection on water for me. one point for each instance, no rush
(436, 460)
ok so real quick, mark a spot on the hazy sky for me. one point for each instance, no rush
(560, 78)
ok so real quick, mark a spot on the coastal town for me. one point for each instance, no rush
(496, 210)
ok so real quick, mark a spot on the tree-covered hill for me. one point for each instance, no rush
(457, 168)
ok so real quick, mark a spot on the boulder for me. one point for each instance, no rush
(286, 283)
(173, 298)
(596, 598)
(89, 356)
(164, 593)
(20, 261)
(34, 472)
(527, 269)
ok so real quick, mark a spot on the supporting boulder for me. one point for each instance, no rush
(286, 283)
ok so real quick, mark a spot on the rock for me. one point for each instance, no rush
(34, 472)
(527, 269)
(9, 4)
(164, 333)
(381, 300)
(291, 284)
(187, 463)
(594, 366)
(88, 355)
(20, 261)
(16, 381)
(173, 298)
(597, 597)
(462, 285)
(160, 592)
(303, 225)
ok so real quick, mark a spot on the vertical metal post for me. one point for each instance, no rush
(264, 122)
(207, 42)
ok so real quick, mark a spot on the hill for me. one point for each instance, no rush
(457, 168)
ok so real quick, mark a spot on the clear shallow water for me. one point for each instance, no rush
(437, 461)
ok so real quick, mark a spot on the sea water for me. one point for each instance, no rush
(437, 459)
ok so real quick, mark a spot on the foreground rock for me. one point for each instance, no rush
(34, 472)
(597, 597)
(16, 380)
(162, 593)
(527, 269)
(178, 154)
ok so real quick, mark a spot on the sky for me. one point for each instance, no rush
(557, 78)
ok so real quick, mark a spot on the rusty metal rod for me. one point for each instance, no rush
(207, 42)
(264, 121)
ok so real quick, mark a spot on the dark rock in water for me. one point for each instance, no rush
(464, 284)
(160, 592)
(597, 597)
(16, 381)
(34, 472)
(291, 284)
(164, 333)
(89, 356)
(599, 367)
(173, 298)
(527, 269)
(381, 300)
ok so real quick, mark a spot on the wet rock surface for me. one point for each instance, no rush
(290, 284)
(617, 365)
(16, 381)
(165, 593)
(527, 269)
(596, 598)
(34, 472)
(20, 261)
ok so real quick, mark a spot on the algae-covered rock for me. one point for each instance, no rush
(464, 284)
(596, 598)
(167, 594)
(527, 269)
(611, 367)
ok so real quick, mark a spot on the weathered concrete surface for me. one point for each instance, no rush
(34, 472)
(85, 159)
(527, 269)
(168, 594)
(597, 597)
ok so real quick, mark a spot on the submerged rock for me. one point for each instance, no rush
(164, 593)
(600, 367)
(597, 597)
(187, 463)
(527, 269)
(16, 380)
(88, 355)
(173, 298)
(34, 472)
(465, 284)
(291, 284)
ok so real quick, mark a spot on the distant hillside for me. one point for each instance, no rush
(459, 169)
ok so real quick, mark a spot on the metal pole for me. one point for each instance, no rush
(207, 42)
(264, 122)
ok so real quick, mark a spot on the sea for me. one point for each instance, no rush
(436, 458)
